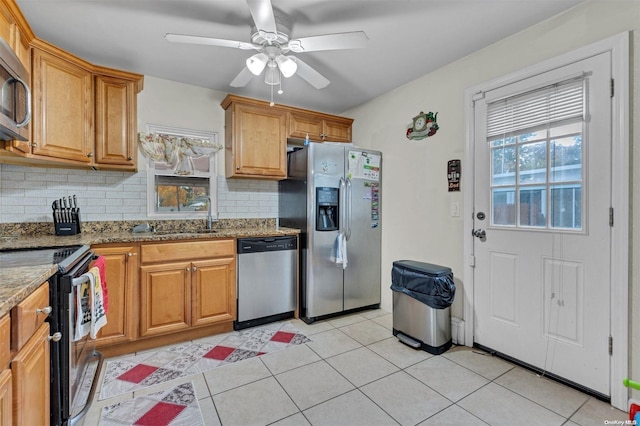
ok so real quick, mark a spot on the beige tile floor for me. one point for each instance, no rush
(354, 372)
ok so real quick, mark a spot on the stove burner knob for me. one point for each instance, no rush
(56, 337)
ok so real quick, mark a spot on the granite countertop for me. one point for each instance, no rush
(16, 283)
(26, 242)
(19, 282)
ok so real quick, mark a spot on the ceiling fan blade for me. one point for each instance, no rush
(352, 40)
(262, 13)
(242, 78)
(312, 76)
(210, 41)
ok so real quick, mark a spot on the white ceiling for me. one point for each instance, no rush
(407, 39)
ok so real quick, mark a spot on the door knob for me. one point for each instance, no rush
(479, 233)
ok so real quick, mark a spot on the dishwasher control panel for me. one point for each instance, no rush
(259, 245)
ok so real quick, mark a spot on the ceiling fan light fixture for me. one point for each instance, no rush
(272, 75)
(288, 67)
(257, 62)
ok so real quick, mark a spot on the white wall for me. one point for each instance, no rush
(26, 193)
(172, 104)
(415, 202)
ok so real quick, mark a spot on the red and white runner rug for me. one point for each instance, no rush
(172, 407)
(129, 374)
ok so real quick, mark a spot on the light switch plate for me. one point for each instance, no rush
(454, 209)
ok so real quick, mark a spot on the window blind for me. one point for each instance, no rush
(551, 104)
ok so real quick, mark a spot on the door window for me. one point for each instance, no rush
(537, 154)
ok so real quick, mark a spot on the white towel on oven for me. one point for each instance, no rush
(98, 313)
(83, 309)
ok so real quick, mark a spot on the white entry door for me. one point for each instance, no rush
(542, 197)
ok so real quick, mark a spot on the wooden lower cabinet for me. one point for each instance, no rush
(6, 400)
(165, 298)
(31, 384)
(122, 273)
(30, 359)
(178, 293)
(213, 291)
(6, 391)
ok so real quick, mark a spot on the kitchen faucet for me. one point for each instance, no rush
(209, 217)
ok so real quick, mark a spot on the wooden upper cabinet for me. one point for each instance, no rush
(115, 122)
(7, 22)
(15, 30)
(319, 127)
(82, 114)
(256, 135)
(337, 130)
(62, 106)
(301, 125)
(255, 139)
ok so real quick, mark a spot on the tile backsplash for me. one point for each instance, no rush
(26, 195)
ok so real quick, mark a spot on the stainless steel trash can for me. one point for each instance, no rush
(416, 286)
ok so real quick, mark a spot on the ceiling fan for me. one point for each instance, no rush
(271, 38)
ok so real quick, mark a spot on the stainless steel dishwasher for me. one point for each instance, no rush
(267, 269)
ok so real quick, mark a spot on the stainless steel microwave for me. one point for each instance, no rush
(15, 99)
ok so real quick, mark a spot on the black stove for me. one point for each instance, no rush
(69, 357)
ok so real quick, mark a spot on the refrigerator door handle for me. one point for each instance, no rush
(348, 209)
(342, 201)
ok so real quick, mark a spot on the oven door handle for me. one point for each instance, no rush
(94, 384)
(80, 280)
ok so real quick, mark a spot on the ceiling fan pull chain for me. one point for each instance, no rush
(271, 103)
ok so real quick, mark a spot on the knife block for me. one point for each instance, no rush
(71, 226)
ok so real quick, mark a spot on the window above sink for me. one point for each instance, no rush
(188, 189)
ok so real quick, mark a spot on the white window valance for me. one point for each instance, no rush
(176, 151)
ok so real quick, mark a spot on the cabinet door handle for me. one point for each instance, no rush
(90, 154)
(131, 254)
(34, 145)
(46, 310)
(188, 269)
(56, 337)
(194, 269)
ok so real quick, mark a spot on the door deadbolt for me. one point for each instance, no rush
(480, 215)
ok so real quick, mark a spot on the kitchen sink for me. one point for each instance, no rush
(183, 232)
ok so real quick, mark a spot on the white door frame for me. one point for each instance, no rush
(618, 46)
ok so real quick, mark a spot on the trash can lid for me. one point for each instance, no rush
(425, 268)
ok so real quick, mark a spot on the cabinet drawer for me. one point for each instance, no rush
(26, 318)
(186, 250)
(5, 339)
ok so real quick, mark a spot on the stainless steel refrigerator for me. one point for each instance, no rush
(332, 194)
